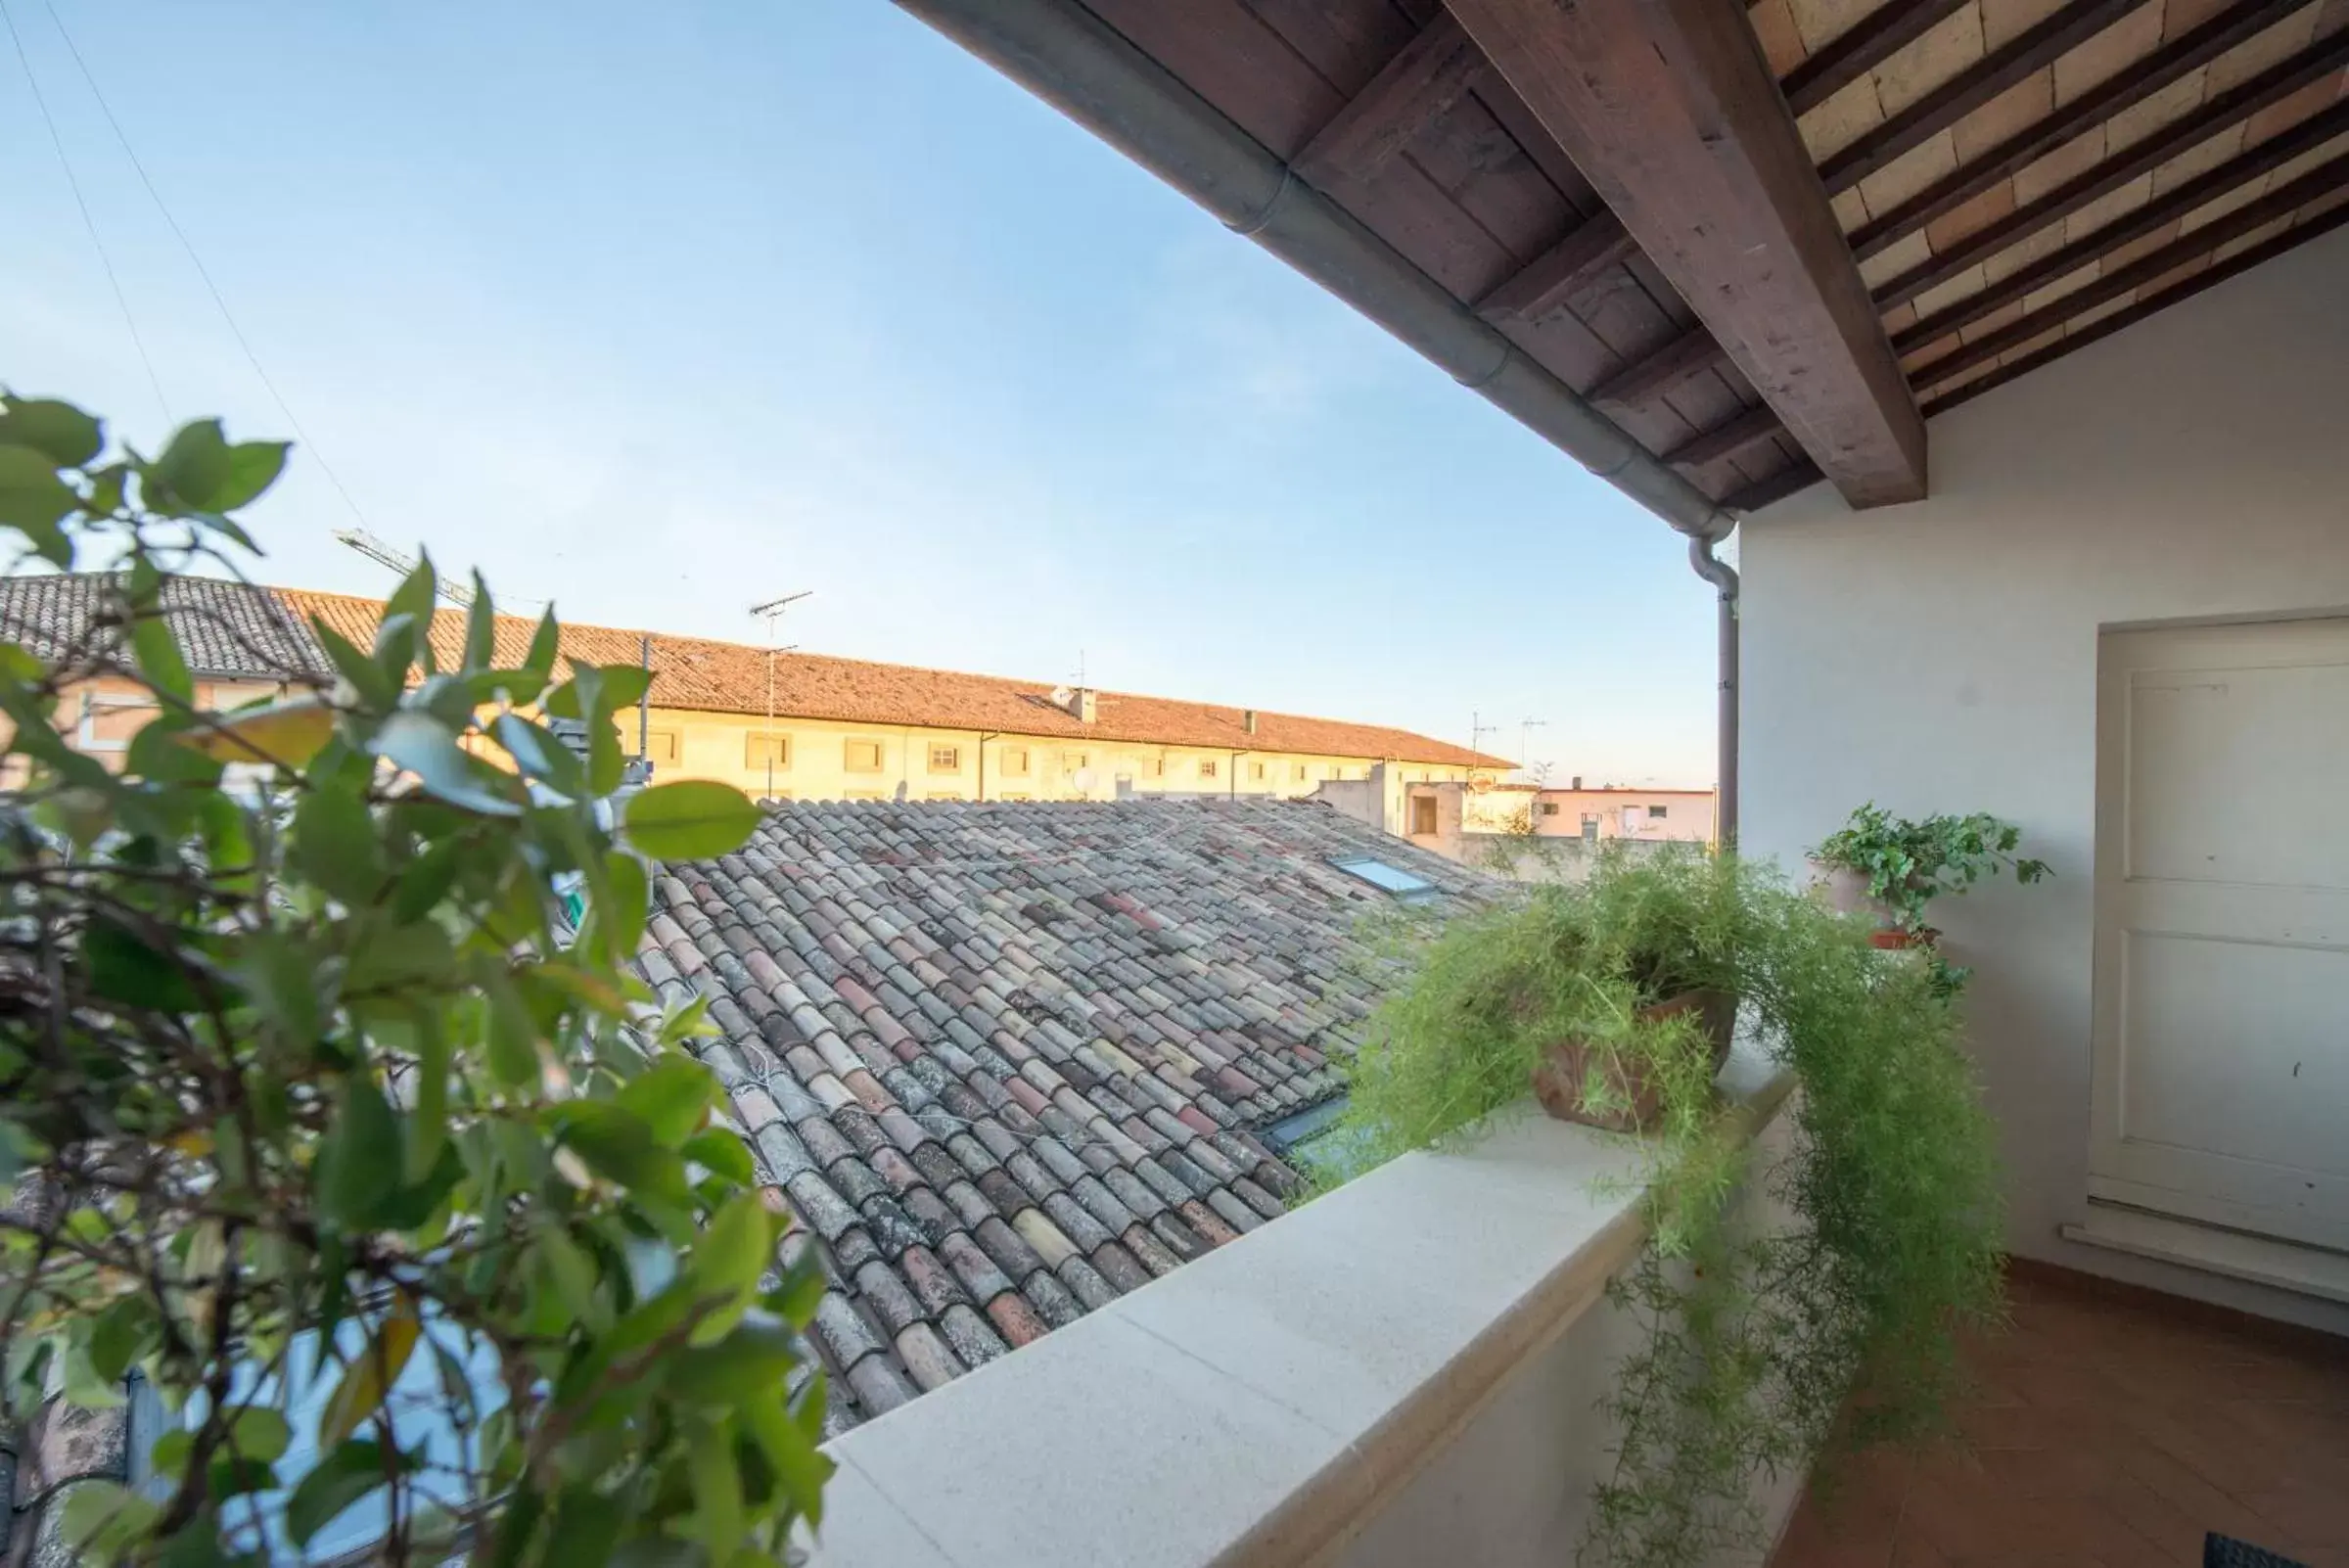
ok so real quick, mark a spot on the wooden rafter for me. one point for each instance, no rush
(2264, 251)
(2034, 49)
(1748, 429)
(2241, 169)
(1864, 46)
(2282, 202)
(2273, 86)
(1800, 475)
(1426, 77)
(1670, 111)
(2191, 50)
(1691, 353)
(1598, 243)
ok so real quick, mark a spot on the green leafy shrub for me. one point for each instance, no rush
(1909, 864)
(325, 1117)
(1767, 1350)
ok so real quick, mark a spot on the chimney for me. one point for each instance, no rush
(1576, 783)
(1248, 720)
(1081, 704)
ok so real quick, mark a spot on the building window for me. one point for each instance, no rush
(1072, 762)
(1206, 767)
(1423, 814)
(946, 759)
(1549, 807)
(766, 749)
(110, 719)
(1014, 764)
(1591, 826)
(1255, 771)
(1405, 885)
(661, 745)
(863, 757)
(1656, 814)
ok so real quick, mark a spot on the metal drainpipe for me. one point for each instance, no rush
(1724, 577)
(1066, 56)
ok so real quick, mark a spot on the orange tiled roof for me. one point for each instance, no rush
(730, 677)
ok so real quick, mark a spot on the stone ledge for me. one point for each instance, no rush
(1258, 1405)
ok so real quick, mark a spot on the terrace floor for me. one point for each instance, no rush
(2111, 1427)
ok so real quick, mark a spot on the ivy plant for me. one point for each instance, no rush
(1908, 864)
(325, 1115)
(1765, 1348)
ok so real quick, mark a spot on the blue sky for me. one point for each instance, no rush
(659, 311)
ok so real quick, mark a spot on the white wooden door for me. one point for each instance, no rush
(2221, 948)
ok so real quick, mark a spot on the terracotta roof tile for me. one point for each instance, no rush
(983, 1050)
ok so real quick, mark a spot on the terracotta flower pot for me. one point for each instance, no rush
(1639, 1100)
(1894, 938)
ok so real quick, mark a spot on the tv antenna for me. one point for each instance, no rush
(772, 611)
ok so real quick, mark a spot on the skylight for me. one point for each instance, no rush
(1381, 875)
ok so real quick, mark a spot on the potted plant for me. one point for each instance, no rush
(1762, 1346)
(1891, 867)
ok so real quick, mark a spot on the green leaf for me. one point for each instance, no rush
(252, 467)
(425, 747)
(428, 1121)
(351, 1472)
(101, 1516)
(373, 689)
(427, 880)
(358, 1160)
(159, 658)
(539, 754)
(193, 468)
(480, 627)
(33, 500)
(722, 1152)
(614, 1141)
(117, 1334)
(716, 1490)
(625, 904)
(747, 1366)
(734, 1248)
(672, 1097)
(260, 1433)
(287, 733)
(413, 598)
(545, 645)
(513, 1034)
(624, 685)
(58, 430)
(693, 819)
(572, 1276)
(334, 843)
(123, 968)
(370, 1376)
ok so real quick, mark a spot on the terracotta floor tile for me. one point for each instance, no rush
(2106, 1431)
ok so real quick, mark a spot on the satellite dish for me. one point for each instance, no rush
(1061, 695)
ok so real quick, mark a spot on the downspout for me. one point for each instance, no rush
(1723, 578)
(1070, 58)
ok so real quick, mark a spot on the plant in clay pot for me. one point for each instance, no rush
(1893, 867)
(1766, 1352)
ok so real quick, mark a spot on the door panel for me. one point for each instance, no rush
(2222, 956)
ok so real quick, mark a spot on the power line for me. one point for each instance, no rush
(74, 185)
(309, 444)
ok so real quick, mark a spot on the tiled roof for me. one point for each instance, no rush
(272, 634)
(225, 628)
(731, 677)
(1005, 1062)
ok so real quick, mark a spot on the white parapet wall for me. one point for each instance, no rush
(1406, 1371)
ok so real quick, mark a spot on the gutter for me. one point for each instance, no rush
(1066, 56)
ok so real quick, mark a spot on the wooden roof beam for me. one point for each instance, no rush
(2150, 304)
(2282, 202)
(1690, 354)
(1425, 78)
(2188, 51)
(2034, 49)
(2271, 86)
(1671, 111)
(2243, 169)
(1743, 433)
(1562, 271)
(1866, 44)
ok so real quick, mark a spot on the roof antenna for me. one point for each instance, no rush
(773, 610)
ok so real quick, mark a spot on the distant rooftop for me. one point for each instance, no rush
(235, 629)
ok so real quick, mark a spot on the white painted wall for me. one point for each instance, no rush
(1941, 656)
